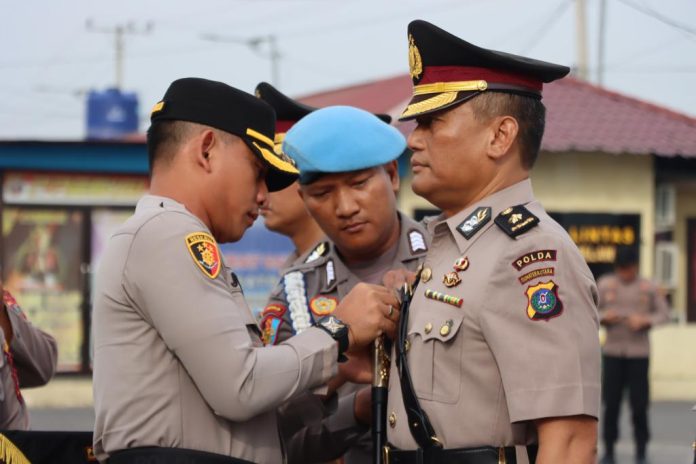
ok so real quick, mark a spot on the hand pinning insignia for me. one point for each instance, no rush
(472, 224)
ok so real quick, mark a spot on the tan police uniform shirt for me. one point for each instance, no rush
(523, 345)
(178, 356)
(316, 431)
(638, 297)
(28, 361)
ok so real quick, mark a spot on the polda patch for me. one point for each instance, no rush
(534, 257)
(536, 273)
(543, 302)
(205, 253)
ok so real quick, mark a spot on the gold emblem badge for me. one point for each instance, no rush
(451, 279)
(415, 63)
(205, 253)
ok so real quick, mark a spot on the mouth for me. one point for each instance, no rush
(354, 227)
(263, 211)
(252, 215)
(417, 165)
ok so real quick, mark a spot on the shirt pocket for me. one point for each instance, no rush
(435, 354)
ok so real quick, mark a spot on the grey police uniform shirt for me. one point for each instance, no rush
(641, 296)
(521, 344)
(314, 430)
(33, 355)
(178, 356)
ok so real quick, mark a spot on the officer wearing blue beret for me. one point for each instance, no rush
(347, 158)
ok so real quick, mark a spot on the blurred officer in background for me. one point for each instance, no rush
(629, 307)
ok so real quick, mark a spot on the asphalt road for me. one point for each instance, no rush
(673, 426)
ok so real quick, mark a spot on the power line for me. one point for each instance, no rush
(656, 15)
(541, 32)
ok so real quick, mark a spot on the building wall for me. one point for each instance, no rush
(685, 209)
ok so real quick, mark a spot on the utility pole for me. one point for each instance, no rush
(255, 44)
(119, 31)
(602, 41)
(581, 31)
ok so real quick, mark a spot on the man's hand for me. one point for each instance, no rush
(396, 278)
(358, 368)
(638, 322)
(610, 317)
(369, 311)
(362, 407)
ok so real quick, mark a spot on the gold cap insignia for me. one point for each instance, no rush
(158, 107)
(415, 63)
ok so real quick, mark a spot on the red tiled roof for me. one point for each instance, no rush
(581, 117)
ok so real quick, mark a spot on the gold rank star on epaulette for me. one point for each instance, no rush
(516, 220)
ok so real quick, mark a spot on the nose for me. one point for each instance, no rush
(415, 140)
(261, 193)
(346, 206)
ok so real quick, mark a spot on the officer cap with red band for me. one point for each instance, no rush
(447, 71)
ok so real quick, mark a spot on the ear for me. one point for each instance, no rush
(504, 133)
(392, 170)
(207, 141)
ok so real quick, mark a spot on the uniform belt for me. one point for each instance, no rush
(482, 455)
(156, 455)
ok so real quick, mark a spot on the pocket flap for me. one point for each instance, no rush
(439, 324)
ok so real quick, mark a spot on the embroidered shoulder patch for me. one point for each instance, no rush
(476, 220)
(205, 253)
(273, 309)
(319, 251)
(416, 241)
(269, 329)
(536, 273)
(543, 302)
(322, 305)
(516, 220)
(533, 257)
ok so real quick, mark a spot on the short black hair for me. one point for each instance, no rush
(529, 112)
(162, 139)
(626, 256)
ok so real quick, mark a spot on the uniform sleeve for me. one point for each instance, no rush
(660, 308)
(543, 333)
(208, 325)
(315, 430)
(34, 351)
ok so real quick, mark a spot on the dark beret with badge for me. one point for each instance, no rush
(289, 111)
(223, 107)
(447, 71)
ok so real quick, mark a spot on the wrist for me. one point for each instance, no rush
(337, 330)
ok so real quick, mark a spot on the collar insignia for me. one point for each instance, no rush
(516, 220)
(475, 222)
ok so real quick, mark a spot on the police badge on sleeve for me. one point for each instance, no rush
(205, 253)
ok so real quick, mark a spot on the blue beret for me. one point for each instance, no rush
(341, 139)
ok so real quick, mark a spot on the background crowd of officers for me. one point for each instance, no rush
(495, 359)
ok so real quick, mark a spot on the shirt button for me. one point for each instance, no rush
(392, 419)
(426, 274)
(428, 328)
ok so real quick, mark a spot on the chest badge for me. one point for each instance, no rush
(451, 279)
(205, 253)
(323, 305)
(543, 302)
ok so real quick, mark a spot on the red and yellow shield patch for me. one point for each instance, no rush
(323, 305)
(205, 253)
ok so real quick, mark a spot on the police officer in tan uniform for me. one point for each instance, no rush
(285, 212)
(180, 371)
(629, 306)
(348, 180)
(499, 346)
(29, 357)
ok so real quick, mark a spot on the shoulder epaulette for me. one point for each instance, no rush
(516, 220)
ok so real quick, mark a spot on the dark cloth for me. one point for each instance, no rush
(155, 455)
(53, 447)
(621, 374)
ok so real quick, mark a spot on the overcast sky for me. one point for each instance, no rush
(49, 58)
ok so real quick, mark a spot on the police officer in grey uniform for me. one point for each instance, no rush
(349, 178)
(29, 359)
(180, 371)
(629, 306)
(499, 345)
